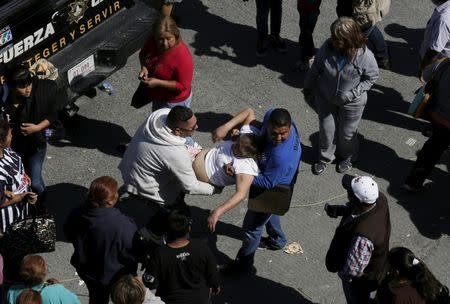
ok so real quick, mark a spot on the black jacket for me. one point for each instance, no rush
(102, 240)
(42, 104)
(374, 225)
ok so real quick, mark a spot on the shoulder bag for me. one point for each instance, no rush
(276, 200)
(424, 101)
(34, 234)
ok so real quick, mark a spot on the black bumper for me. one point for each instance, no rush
(111, 43)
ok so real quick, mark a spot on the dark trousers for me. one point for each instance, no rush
(357, 292)
(376, 43)
(308, 20)
(263, 7)
(429, 155)
(344, 8)
(98, 294)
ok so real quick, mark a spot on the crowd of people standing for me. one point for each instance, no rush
(163, 163)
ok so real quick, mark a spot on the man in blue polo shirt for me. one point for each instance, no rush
(278, 166)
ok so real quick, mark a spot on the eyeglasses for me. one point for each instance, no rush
(189, 130)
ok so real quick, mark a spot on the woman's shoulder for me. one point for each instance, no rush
(60, 292)
(365, 56)
(11, 153)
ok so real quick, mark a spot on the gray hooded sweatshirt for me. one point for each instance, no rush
(341, 86)
(156, 164)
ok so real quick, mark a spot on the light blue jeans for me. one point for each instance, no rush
(156, 105)
(35, 163)
(253, 226)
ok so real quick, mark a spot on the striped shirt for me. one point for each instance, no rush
(14, 179)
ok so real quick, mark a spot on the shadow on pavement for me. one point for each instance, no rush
(218, 37)
(388, 107)
(404, 55)
(61, 200)
(429, 210)
(140, 213)
(209, 121)
(90, 133)
(255, 289)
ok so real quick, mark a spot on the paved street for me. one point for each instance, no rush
(228, 77)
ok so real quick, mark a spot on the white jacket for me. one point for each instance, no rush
(156, 164)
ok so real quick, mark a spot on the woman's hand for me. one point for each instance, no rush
(28, 128)
(213, 218)
(229, 169)
(151, 82)
(143, 74)
(30, 197)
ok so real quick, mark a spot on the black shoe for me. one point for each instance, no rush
(344, 166)
(412, 184)
(235, 268)
(279, 44)
(384, 64)
(262, 47)
(265, 244)
(412, 188)
(318, 168)
(121, 148)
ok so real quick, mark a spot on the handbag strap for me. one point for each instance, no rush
(42, 288)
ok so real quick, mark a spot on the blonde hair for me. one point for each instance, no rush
(165, 25)
(347, 37)
(128, 290)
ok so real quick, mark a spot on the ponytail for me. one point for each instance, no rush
(403, 261)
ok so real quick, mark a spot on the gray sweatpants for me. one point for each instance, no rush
(338, 126)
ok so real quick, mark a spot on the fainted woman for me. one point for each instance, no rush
(32, 272)
(342, 73)
(408, 280)
(102, 239)
(166, 68)
(243, 155)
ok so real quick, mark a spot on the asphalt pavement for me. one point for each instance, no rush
(222, 37)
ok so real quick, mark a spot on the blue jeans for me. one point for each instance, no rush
(376, 43)
(156, 105)
(263, 7)
(253, 226)
(34, 164)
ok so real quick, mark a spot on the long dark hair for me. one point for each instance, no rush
(402, 263)
(4, 130)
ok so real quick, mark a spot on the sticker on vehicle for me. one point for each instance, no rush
(77, 10)
(5, 36)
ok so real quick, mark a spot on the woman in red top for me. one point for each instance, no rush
(166, 68)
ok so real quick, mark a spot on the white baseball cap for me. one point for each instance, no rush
(365, 189)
